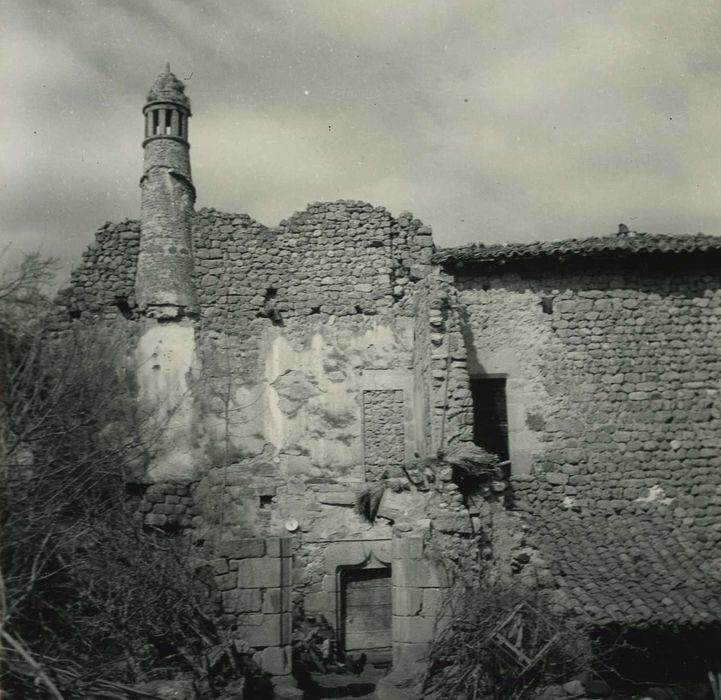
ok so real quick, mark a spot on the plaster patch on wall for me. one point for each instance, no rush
(294, 388)
(655, 494)
(165, 359)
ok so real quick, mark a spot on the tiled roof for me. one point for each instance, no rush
(618, 244)
(631, 569)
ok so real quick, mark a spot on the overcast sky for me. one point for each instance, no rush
(491, 121)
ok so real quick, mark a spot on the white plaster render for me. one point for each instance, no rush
(312, 406)
(165, 359)
(299, 393)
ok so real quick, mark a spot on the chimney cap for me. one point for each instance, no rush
(168, 88)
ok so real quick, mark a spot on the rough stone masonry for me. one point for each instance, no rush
(296, 366)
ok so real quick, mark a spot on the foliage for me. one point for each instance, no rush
(498, 639)
(369, 500)
(89, 601)
(472, 462)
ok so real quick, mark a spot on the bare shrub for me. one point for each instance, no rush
(89, 601)
(498, 639)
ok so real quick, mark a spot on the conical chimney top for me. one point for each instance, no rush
(168, 88)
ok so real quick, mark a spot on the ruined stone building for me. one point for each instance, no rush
(296, 366)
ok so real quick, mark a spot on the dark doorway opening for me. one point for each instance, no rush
(490, 415)
(366, 613)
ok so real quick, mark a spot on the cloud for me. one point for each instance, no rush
(490, 121)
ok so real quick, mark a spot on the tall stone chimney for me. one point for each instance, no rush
(164, 286)
(165, 354)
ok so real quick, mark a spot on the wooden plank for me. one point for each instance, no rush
(370, 582)
(367, 620)
(359, 640)
(368, 609)
(368, 596)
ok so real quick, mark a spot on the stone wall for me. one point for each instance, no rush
(168, 505)
(103, 285)
(253, 593)
(297, 386)
(420, 587)
(340, 259)
(443, 398)
(383, 432)
(612, 386)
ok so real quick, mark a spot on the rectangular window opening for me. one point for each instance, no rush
(490, 415)
(156, 122)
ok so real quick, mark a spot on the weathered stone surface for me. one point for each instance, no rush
(406, 600)
(418, 573)
(407, 547)
(264, 630)
(611, 386)
(338, 498)
(277, 600)
(244, 600)
(242, 549)
(275, 660)
(594, 353)
(279, 546)
(259, 573)
(384, 431)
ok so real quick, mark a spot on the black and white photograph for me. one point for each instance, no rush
(360, 350)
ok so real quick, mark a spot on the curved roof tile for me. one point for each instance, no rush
(619, 244)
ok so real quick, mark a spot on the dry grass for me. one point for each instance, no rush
(500, 640)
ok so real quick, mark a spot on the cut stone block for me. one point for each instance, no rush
(265, 634)
(418, 573)
(407, 601)
(407, 547)
(339, 498)
(410, 653)
(226, 582)
(242, 600)
(412, 629)
(259, 573)
(275, 660)
(279, 546)
(242, 549)
(432, 600)
(276, 600)
(344, 554)
(286, 628)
